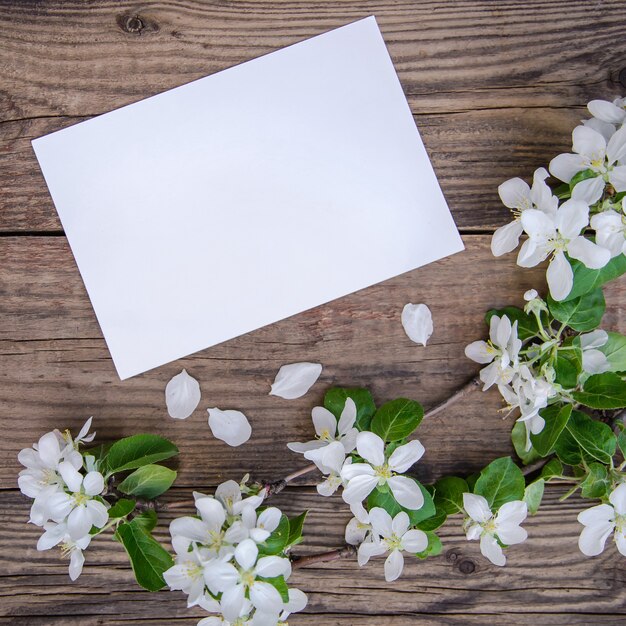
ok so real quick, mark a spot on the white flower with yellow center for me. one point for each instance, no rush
(362, 478)
(56, 534)
(602, 520)
(329, 461)
(187, 574)
(482, 524)
(391, 536)
(328, 429)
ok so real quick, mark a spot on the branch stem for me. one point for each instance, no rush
(323, 557)
(455, 397)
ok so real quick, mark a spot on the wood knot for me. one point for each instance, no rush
(452, 556)
(136, 24)
(621, 77)
(467, 566)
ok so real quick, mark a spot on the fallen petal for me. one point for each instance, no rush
(232, 427)
(295, 379)
(417, 321)
(182, 396)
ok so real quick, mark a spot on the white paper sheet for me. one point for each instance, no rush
(247, 196)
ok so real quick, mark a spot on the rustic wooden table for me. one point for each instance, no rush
(496, 88)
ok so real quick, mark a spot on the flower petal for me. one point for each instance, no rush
(514, 193)
(54, 534)
(212, 512)
(616, 148)
(595, 362)
(618, 499)
(592, 538)
(348, 417)
(79, 522)
(359, 488)
(566, 166)
(49, 450)
(572, 217)
(93, 483)
(531, 253)
(190, 528)
(324, 422)
(417, 322)
(490, 549)
(595, 339)
(58, 506)
(232, 602)
(295, 379)
(350, 470)
(98, 512)
(271, 566)
(301, 448)
(232, 427)
(617, 178)
(367, 550)
(71, 476)
(246, 554)
(560, 276)
(355, 532)
(589, 190)
(265, 597)
(400, 524)
(606, 111)
(220, 576)
(406, 492)
(394, 564)
(597, 515)
(371, 447)
(606, 129)
(405, 456)
(480, 351)
(77, 561)
(506, 238)
(414, 541)
(588, 142)
(381, 522)
(592, 255)
(182, 396)
(476, 507)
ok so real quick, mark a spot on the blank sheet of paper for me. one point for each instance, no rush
(245, 197)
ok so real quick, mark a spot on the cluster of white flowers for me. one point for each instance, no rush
(494, 531)
(332, 452)
(598, 167)
(65, 489)
(220, 563)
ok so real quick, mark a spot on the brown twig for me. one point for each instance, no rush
(323, 557)
(455, 397)
(277, 486)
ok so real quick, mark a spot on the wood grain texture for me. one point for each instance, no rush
(496, 87)
(545, 581)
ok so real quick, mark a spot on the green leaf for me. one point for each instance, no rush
(603, 391)
(585, 439)
(137, 450)
(148, 481)
(434, 546)
(621, 441)
(597, 483)
(434, 522)
(500, 482)
(586, 280)
(533, 495)
(335, 400)
(295, 529)
(569, 365)
(148, 558)
(385, 500)
(526, 324)
(449, 494)
(518, 438)
(583, 313)
(121, 508)
(397, 419)
(615, 351)
(147, 520)
(279, 583)
(277, 541)
(556, 417)
(552, 468)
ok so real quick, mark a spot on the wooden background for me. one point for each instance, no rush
(496, 88)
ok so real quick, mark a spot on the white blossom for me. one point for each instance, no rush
(610, 227)
(329, 460)
(261, 526)
(391, 536)
(504, 526)
(362, 478)
(56, 534)
(554, 236)
(518, 196)
(603, 520)
(328, 429)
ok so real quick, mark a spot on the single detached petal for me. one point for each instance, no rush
(560, 276)
(232, 427)
(506, 238)
(515, 193)
(371, 447)
(182, 396)
(406, 492)
(381, 522)
(417, 321)
(491, 550)
(592, 255)
(476, 507)
(414, 541)
(394, 565)
(295, 379)
(403, 457)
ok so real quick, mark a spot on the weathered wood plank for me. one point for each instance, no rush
(472, 153)
(55, 369)
(508, 73)
(546, 580)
